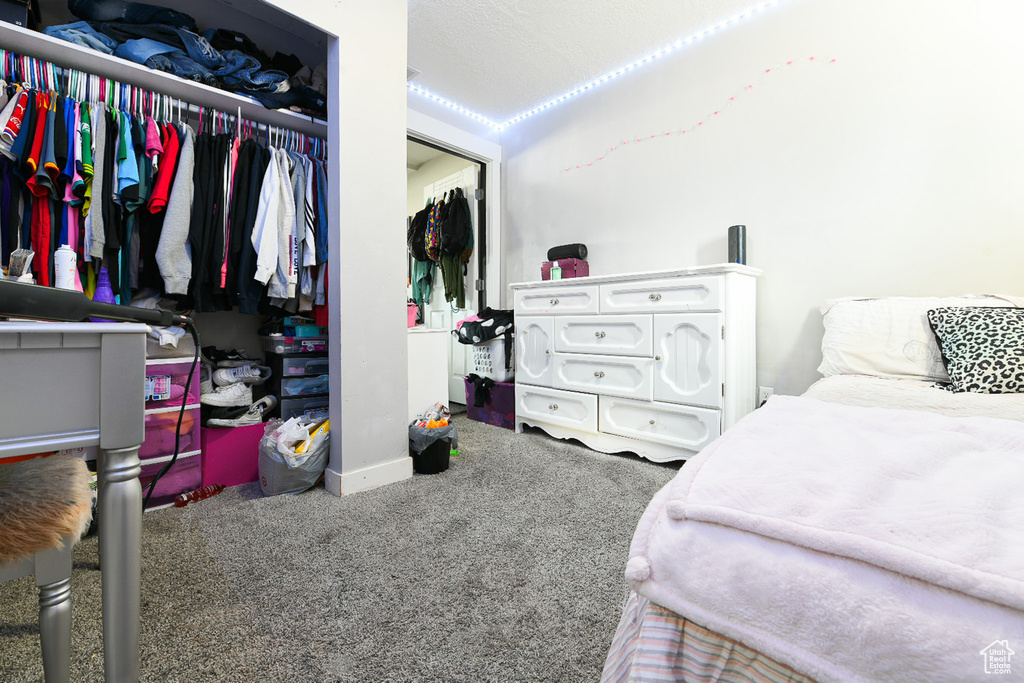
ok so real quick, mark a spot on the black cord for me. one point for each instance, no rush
(151, 486)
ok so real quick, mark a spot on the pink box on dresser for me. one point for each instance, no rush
(231, 454)
(571, 267)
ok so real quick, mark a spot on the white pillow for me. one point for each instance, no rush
(890, 337)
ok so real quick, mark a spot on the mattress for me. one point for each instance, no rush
(747, 626)
(908, 394)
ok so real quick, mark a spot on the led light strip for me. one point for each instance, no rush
(454, 106)
(706, 119)
(667, 49)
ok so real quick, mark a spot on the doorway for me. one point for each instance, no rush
(433, 174)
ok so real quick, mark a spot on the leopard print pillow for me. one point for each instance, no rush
(982, 348)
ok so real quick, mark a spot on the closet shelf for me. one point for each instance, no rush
(68, 55)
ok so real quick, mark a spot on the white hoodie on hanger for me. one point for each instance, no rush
(269, 218)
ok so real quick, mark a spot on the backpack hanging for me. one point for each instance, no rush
(416, 236)
(457, 229)
(432, 237)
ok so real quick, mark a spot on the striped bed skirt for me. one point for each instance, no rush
(655, 645)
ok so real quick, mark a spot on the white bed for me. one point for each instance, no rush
(871, 529)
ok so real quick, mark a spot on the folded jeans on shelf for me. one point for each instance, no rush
(81, 33)
(129, 12)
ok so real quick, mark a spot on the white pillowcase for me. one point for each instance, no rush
(890, 337)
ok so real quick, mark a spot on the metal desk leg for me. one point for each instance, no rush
(120, 512)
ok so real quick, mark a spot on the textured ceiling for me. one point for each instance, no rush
(502, 57)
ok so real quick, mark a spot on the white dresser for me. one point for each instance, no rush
(656, 363)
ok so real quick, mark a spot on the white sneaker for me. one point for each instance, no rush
(237, 394)
(250, 374)
(251, 417)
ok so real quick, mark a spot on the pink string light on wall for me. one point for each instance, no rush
(706, 119)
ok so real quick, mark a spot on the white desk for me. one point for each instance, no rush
(81, 384)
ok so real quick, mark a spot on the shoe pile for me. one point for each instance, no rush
(227, 387)
(242, 416)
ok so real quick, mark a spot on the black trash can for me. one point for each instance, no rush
(433, 459)
(430, 449)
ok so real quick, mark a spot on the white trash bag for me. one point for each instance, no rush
(293, 455)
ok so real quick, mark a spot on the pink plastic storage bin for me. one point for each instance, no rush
(160, 429)
(170, 379)
(185, 475)
(231, 455)
(413, 310)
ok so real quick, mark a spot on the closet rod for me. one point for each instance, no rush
(65, 55)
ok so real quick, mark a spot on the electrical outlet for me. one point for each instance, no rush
(763, 393)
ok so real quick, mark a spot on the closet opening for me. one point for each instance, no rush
(446, 190)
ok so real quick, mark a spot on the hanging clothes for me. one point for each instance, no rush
(156, 205)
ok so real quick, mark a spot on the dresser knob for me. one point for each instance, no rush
(599, 335)
(553, 406)
(657, 358)
(652, 422)
(598, 374)
(654, 297)
(554, 302)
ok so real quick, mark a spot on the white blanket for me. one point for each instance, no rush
(917, 517)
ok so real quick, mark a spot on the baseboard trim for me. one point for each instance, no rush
(344, 483)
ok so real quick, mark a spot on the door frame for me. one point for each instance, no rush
(428, 130)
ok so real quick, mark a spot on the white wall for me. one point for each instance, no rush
(896, 170)
(367, 134)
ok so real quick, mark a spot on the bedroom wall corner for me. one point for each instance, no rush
(894, 170)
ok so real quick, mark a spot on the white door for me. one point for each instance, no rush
(443, 314)
(688, 358)
(533, 350)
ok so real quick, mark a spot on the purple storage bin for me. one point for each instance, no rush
(499, 411)
(186, 475)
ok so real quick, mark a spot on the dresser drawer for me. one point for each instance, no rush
(678, 426)
(314, 407)
(612, 375)
(565, 408)
(569, 299)
(618, 335)
(305, 386)
(291, 367)
(160, 431)
(694, 293)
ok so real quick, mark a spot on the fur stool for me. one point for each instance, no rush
(45, 507)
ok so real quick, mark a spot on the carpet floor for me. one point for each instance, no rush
(507, 567)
